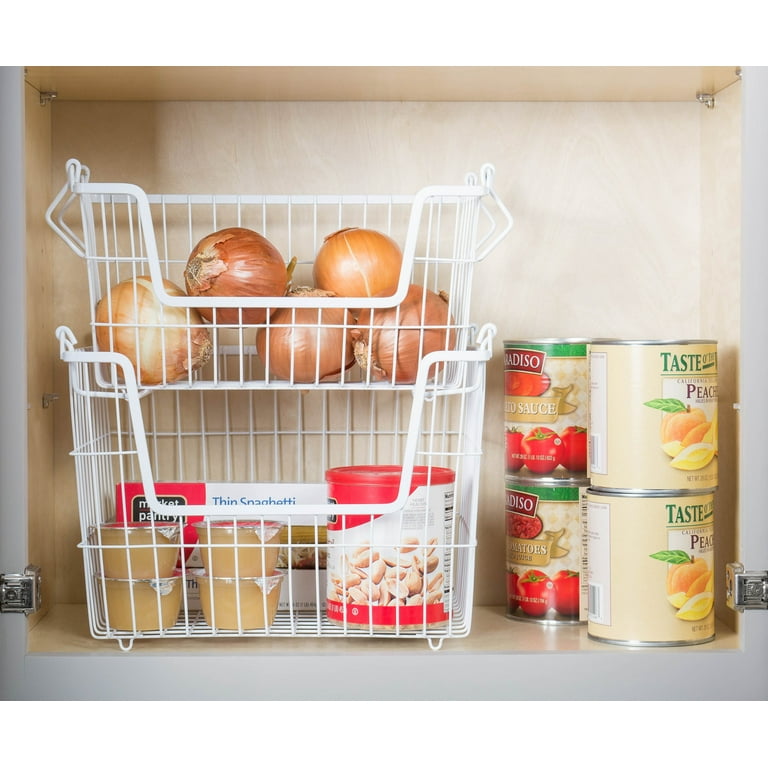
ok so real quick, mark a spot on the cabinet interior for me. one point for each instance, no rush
(623, 184)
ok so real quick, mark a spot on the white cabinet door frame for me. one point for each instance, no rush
(635, 674)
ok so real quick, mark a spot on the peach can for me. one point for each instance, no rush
(653, 415)
(650, 568)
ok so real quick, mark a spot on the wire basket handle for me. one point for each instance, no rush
(54, 215)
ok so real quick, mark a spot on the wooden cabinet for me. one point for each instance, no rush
(637, 215)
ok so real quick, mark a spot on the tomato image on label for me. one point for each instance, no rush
(524, 526)
(536, 592)
(523, 384)
(543, 450)
(514, 455)
(567, 592)
(574, 449)
(690, 584)
(686, 435)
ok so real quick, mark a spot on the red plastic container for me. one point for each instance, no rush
(390, 571)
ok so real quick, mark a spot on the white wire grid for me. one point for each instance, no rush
(220, 425)
(122, 233)
(284, 437)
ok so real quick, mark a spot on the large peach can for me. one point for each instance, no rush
(650, 568)
(653, 415)
(546, 400)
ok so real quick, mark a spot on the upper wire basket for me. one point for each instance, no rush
(125, 234)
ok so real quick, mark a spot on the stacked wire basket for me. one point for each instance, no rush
(231, 443)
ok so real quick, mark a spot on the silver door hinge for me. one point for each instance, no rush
(20, 592)
(745, 589)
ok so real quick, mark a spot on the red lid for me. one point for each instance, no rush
(388, 475)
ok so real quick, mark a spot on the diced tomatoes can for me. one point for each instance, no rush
(391, 571)
(545, 551)
(546, 401)
(650, 572)
(653, 415)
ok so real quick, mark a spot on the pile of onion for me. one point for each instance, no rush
(390, 342)
(163, 343)
(358, 262)
(236, 262)
(306, 344)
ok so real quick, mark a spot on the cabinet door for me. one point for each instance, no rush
(606, 673)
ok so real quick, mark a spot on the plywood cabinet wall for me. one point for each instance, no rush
(626, 225)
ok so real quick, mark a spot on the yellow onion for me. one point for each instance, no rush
(236, 262)
(163, 343)
(390, 342)
(306, 344)
(358, 262)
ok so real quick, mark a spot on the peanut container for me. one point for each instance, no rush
(545, 528)
(546, 401)
(390, 571)
(653, 415)
(650, 567)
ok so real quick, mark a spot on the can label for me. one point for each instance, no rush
(392, 571)
(546, 398)
(545, 529)
(650, 568)
(653, 416)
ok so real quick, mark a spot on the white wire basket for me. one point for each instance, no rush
(231, 446)
(123, 234)
(263, 456)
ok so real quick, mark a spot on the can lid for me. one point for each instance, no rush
(388, 475)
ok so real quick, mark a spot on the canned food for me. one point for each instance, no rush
(546, 400)
(545, 528)
(392, 571)
(653, 415)
(650, 568)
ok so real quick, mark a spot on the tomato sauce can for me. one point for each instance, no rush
(390, 571)
(653, 415)
(545, 552)
(546, 401)
(650, 572)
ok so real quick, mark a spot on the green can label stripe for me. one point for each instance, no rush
(562, 493)
(554, 350)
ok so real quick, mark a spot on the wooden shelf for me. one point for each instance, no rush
(65, 630)
(380, 83)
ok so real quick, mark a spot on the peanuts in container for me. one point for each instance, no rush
(393, 571)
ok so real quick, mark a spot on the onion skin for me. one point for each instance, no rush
(391, 345)
(164, 341)
(296, 332)
(236, 262)
(358, 262)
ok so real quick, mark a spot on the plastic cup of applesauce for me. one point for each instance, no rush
(137, 550)
(143, 605)
(239, 604)
(238, 549)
